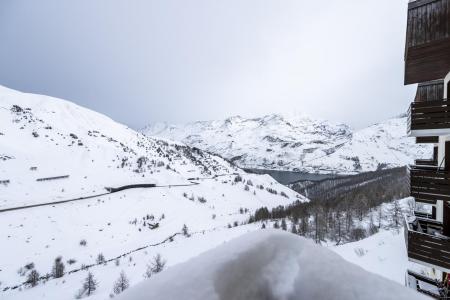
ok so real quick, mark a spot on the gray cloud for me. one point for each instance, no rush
(142, 61)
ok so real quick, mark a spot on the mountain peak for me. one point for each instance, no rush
(297, 142)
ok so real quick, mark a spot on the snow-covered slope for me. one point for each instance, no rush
(299, 143)
(43, 137)
(269, 264)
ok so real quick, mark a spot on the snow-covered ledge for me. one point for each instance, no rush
(269, 264)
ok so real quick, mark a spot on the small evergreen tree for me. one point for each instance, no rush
(294, 229)
(263, 226)
(89, 286)
(100, 258)
(276, 225)
(33, 278)
(396, 213)
(156, 266)
(121, 284)
(283, 224)
(372, 228)
(58, 268)
(185, 230)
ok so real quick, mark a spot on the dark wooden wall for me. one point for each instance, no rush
(427, 55)
(430, 91)
(427, 140)
(428, 20)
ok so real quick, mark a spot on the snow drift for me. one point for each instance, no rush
(268, 264)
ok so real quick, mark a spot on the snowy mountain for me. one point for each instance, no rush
(269, 264)
(298, 143)
(189, 202)
(52, 150)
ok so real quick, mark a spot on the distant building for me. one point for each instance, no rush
(53, 178)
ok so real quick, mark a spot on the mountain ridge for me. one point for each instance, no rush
(299, 143)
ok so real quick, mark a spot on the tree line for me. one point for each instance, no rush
(344, 201)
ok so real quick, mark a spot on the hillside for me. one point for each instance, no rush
(43, 137)
(299, 143)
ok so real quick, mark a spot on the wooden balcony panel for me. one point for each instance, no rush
(426, 244)
(429, 115)
(429, 184)
(430, 91)
(427, 54)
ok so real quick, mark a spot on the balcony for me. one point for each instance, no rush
(429, 118)
(429, 184)
(427, 53)
(425, 285)
(425, 243)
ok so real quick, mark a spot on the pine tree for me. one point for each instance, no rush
(372, 228)
(276, 225)
(380, 216)
(33, 278)
(90, 284)
(156, 266)
(263, 226)
(185, 230)
(283, 225)
(58, 268)
(396, 212)
(100, 258)
(294, 229)
(121, 284)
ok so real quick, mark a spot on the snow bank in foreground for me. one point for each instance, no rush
(268, 264)
(383, 253)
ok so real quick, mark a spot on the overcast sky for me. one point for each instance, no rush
(143, 61)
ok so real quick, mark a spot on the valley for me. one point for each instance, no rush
(80, 190)
(291, 177)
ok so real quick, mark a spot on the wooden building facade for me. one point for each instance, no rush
(427, 63)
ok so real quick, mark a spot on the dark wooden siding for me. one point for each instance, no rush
(428, 21)
(427, 54)
(430, 91)
(429, 115)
